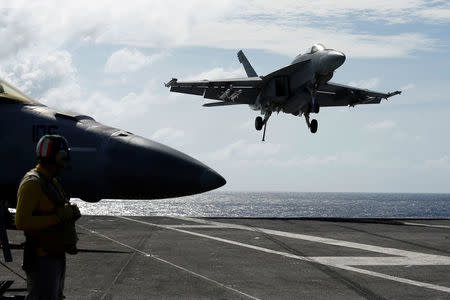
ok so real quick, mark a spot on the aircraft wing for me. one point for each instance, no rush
(229, 91)
(333, 94)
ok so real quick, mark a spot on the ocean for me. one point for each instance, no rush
(280, 205)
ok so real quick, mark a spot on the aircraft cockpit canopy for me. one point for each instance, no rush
(317, 47)
(9, 94)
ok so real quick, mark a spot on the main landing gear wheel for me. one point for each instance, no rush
(259, 123)
(314, 125)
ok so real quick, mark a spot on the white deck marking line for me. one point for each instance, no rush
(198, 226)
(399, 279)
(115, 241)
(312, 238)
(171, 264)
(312, 259)
(426, 225)
(382, 261)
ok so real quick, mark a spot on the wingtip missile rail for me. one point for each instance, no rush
(171, 82)
(393, 94)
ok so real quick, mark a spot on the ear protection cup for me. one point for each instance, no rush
(61, 157)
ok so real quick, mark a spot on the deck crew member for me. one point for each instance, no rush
(47, 218)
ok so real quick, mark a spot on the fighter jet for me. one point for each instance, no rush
(105, 162)
(301, 88)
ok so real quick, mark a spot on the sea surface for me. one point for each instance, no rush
(280, 205)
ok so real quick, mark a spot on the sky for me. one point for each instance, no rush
(109, 60)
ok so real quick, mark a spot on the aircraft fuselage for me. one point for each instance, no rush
(105, 162)
(294, 92)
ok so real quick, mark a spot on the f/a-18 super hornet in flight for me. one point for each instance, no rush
(300, 88)
(105, 162)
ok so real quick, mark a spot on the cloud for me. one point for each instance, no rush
(226, 24)
(370, 83)
(400, 11)
(52, 79)
(70, 96)
(36, 74)
(169, 135)
(129, 60)
(437, 14)
(383, 125)
(254, 35)
(17, 32)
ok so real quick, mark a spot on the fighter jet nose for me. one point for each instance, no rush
(143, 169)
(333, 60)
(210, 180)
(338, 58)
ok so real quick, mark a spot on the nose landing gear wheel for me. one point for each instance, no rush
(259, 123)
(314, 126)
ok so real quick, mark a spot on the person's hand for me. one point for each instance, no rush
(64, 213)
(75, 212)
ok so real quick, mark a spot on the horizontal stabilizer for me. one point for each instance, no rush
(213, 104)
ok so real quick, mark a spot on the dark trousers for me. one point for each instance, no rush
(47, 281)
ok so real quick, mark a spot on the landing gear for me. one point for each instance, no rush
(313, 125)
(259, 123)
(315, 107)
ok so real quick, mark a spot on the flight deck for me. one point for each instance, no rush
(251, 258)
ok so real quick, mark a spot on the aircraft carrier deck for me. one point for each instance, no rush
(214, 258)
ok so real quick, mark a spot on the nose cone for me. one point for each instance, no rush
(332, 60)
(339, 57)
(139, 168)
(210, 180)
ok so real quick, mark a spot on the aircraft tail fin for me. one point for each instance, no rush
(247, 66)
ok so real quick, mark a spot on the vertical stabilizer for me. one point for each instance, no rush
(247, 66)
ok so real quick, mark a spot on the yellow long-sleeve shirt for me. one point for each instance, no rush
(36, 216)
(34, 211)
